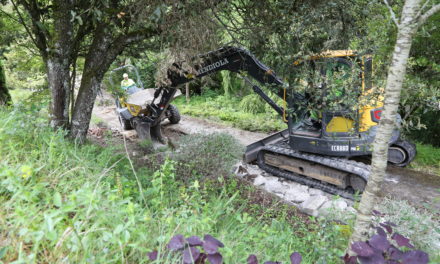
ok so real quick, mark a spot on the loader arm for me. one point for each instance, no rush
(228, 58)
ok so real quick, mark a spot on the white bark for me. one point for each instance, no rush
(406, 30)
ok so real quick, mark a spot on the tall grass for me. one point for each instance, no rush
(427, 159)
(248, 113)
(61, 202)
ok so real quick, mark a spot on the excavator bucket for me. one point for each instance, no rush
(147, 132)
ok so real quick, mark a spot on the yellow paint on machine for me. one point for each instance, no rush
(340, 124)
(132, 108)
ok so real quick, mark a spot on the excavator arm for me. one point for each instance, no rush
(227, 58)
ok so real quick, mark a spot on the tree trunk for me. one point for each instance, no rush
(5, 97)
(102, 53)
(58, 78)
(58, 64)
(406, 29)
(187, 92)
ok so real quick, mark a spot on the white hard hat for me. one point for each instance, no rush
(125, 75)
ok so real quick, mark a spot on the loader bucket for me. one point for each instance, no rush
(146, 132)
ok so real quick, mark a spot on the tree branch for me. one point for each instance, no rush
(24, 24)
(427, 14)
(40, 37)
(10, 16)
(423, 7)
(393, 15)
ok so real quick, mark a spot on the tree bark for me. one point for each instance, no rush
(406, 30)
(58, 64)
(187, 92)
(102, 53)
(5, 97)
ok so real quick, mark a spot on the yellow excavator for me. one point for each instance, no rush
(320, 145)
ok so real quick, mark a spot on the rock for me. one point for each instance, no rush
(312, 205)
(296, 194)
(253, 170)
(334, 205)
(351, 210)
(292, 184)
(281, 195)
(269, 177)
(273, 186)
(260, 180)
(241, 171)
(314, 192)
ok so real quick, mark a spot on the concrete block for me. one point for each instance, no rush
(296, 195)
(259, 180)
(312, 205)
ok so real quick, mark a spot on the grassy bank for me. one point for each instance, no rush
(228, 110)
(85, 204)
(427, 159)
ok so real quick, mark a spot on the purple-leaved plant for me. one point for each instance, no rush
(379, 249)
(194, 250)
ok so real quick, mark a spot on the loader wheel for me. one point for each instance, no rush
(125, 124)
(173, 114)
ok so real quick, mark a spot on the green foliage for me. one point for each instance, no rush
(226, 82)
(228, 110)
(425, 127)
(24, 70)
(84, 204)
(147, 67)
(427, 159)
(253, 104)
(209, 155)
(5, 97)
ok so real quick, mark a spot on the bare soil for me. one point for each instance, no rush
(419, 188)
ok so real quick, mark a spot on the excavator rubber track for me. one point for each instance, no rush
(353, 169)
(407, 148)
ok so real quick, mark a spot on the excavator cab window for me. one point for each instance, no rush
(341, 84)
(368, 72)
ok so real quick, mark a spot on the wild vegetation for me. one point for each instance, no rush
(85, 203)
(64, 198)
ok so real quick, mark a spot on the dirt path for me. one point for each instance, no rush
(419, 188)
(190, 125)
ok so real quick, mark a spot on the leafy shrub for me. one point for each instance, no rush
(210, 155)
(253, 104)
(431, 133)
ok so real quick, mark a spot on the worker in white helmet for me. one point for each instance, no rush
(128, 84)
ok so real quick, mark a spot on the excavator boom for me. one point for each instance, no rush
(227, 58)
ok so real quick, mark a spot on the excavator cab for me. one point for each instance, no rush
(348, 106)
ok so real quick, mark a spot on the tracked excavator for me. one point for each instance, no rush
(319, 151)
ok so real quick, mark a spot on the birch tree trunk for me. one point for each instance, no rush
(396, 74)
